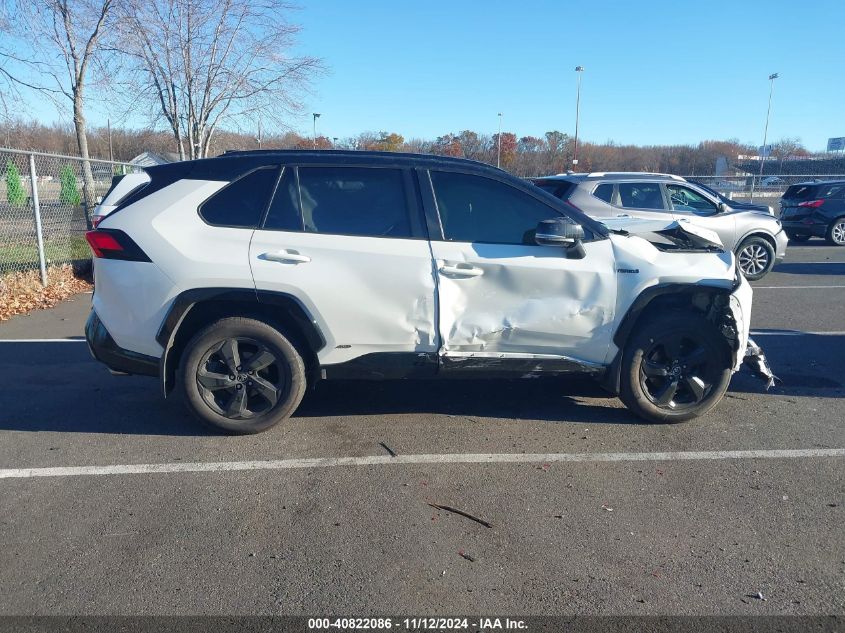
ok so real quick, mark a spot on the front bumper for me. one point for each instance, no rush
(740, 309)
(104, 349)
(747, 352)
(781, 242)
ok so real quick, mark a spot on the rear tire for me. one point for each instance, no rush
(675, 367)
(836, 232)
(241, 375)
(755, 258)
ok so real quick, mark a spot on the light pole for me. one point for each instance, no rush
(580, 71)
(315, 115)
(499, 148)
(772, 78)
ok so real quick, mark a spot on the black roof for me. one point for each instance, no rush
(232, 164)
(836, 181)
(609, 175)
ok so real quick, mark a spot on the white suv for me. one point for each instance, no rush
(244, 277)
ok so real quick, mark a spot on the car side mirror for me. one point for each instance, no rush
(564, 233)
(721, 207)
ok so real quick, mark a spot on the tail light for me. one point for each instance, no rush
(811, 203)
(114, 244)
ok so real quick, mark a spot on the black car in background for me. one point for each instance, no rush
(735, 204)
(814, 209)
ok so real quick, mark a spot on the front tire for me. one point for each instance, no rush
(836, 232)
(755, 258)
(674, 368)
(241, 375)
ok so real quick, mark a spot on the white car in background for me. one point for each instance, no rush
(121, 187)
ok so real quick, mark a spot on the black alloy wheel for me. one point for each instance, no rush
(240, 378)
(678, 372)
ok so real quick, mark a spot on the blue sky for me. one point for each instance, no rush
(656, 71)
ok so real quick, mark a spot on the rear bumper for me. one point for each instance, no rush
(104, 349)
(800, 228)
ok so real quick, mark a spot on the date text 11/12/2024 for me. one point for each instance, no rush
(416, 624)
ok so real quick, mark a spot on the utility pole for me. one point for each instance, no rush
(499, 149)
(111, 149)
(772, 78)
(316, 116)
(580, 71)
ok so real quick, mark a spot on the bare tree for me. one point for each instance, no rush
(202, 62)
(50, 47)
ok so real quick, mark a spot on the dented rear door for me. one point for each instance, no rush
(502, 296)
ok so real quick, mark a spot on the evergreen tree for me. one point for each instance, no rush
(15, 193)
(69, 193)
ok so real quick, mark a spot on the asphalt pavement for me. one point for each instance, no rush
(590, 510)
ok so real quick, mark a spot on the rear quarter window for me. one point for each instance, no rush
(604, 192)
(242, 202)
(558, 188)
(800, 192)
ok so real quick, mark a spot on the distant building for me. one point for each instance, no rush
(151, 159)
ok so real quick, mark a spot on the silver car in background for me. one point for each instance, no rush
(755, 236)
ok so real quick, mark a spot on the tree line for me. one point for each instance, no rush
(523, 155)
(192, 66)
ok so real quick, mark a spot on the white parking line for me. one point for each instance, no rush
(42, 340)
(795, 333)
(793, 287)
(386, 460)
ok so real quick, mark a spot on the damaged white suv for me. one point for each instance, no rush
(245, 277)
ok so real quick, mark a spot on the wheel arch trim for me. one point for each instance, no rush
(757, 233)
(186, 302)
(611, 378)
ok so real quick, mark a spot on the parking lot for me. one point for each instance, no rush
(590, 511)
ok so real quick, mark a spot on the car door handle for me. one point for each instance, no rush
(623, 215)
(461, 270)
(286, 257)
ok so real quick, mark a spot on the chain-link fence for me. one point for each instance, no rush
(43, 214)
(765, 190)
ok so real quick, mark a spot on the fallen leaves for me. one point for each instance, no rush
(22, 292)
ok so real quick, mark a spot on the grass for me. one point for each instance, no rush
(22, 256)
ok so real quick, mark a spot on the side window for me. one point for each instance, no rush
(242, 202)
(685, 199)
(641, 195)
(604, 192)
(354, 201)
(478, 209)
(283, 214)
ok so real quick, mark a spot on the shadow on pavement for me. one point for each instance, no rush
(547, 399)
(807, 364)
(58, 387)
(811, 268)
